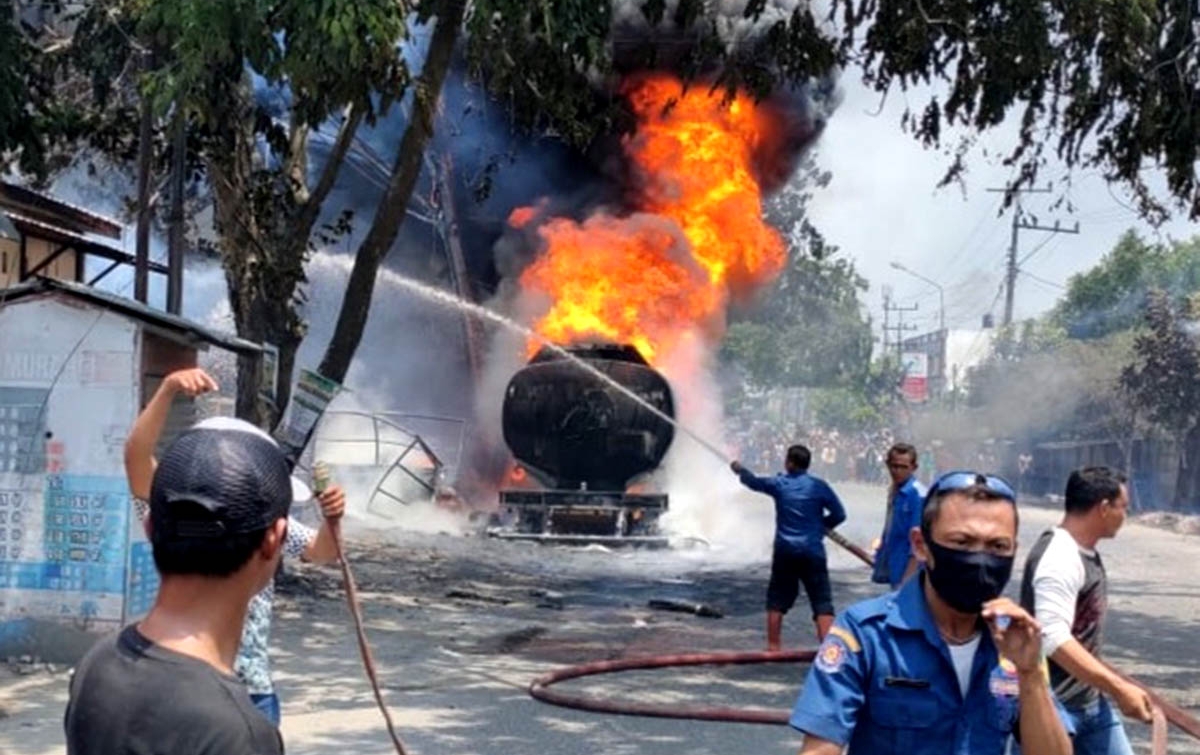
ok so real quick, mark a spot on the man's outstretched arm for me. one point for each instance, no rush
(1054, 601)
(752, 481)
(147, 428)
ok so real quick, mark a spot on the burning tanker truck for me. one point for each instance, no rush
(583, 449)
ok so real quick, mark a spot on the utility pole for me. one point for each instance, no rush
(941, 292)
(1013, 267)
(458, 266)
(175, 231)
(900, 327)
(141, 270)
(887, 304)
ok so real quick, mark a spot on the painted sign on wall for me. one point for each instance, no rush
(916, 376)
(68, 382)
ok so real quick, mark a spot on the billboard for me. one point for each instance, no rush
(915, 385)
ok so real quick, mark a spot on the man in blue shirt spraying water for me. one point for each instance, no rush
(805, 506)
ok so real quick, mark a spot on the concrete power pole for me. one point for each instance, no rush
(1013, 266)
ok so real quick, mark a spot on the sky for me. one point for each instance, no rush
(883, 205)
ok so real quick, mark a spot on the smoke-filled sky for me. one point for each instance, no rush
(883, 205)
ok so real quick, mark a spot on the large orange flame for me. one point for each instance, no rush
(653, 276)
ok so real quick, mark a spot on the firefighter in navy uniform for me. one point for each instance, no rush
(944, 666)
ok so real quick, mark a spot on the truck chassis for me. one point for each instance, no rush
(581, 517)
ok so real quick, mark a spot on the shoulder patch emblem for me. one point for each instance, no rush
(1003, 685)
(831, 656)
(846, 636)
(1003, 681)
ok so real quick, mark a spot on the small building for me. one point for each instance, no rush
(76, 366)
(948, 356)
(43, 236)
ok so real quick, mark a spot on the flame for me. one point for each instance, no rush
(696, 238)
(521, 216)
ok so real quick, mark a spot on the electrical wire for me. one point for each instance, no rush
(1041, 280)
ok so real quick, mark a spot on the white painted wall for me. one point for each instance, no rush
(964, 350)
(68, 395)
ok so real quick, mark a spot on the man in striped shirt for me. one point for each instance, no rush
(1066, 588)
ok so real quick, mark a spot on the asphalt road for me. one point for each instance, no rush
(456, 668)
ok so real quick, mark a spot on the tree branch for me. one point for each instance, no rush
(297, 161)
(329, 171)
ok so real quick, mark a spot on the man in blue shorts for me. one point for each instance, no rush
(805, 506)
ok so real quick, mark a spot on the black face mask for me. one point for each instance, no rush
(967, 579)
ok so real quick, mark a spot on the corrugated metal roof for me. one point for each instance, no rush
(66, 213)
(187, 329)
(77, 241)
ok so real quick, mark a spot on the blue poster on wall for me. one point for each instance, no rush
(84, 532)
(143, 580)
(84, 521)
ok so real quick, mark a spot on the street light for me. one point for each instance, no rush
(935, 284)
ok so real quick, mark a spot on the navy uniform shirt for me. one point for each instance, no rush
(895, 548)
(884, 684)
(804, 507)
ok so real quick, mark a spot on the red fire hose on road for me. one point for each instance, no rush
(540, 689)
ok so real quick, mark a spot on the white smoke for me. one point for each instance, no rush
(706, 501)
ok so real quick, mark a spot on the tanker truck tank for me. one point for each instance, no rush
(582, 445)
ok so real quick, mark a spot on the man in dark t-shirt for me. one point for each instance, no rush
(219, 503)
(1066, 588)
(157, 700)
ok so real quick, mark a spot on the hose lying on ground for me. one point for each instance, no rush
(540, 689)
(1163, 711)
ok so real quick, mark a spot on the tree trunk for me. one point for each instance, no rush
(1187, 480)
(352, 317)
(266, 321)
(263, 254)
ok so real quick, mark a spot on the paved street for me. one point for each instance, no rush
(456, 668)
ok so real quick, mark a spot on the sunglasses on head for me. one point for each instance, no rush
(961, 480)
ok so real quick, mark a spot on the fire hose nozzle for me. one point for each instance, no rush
(320, 477)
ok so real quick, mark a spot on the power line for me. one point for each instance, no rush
(967, 241)
(1042, 280)
(1036, 249)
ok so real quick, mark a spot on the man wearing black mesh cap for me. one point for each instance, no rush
(219, 504)
(253, 665)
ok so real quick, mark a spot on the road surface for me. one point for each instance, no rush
(456, 668)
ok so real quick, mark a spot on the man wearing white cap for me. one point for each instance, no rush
(317, 546)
